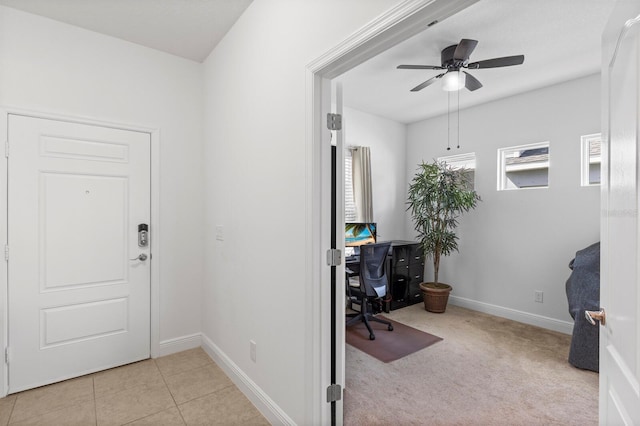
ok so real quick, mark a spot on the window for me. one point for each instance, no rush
(349, 201)
(524, 166)
(590, 159)
(466, 161)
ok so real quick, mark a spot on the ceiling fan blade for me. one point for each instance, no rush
(471, 83)
(464, 49)
(419, 67)
(427, 83)
(506, 61)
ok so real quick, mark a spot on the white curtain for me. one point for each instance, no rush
(361, 167)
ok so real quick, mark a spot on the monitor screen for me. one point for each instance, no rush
(357, 234)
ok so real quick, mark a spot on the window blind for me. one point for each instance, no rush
(349, 202)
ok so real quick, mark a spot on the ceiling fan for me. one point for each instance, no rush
(456, 57)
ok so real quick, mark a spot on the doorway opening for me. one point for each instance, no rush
(343, 67)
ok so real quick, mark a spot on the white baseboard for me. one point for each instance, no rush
(179, 344)
(565, 327)
(268, 408)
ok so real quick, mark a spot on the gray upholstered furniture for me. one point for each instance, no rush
(583, 293)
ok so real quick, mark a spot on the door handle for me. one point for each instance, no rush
(142, 257)
(593, 316)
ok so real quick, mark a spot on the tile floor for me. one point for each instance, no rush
(186, 388)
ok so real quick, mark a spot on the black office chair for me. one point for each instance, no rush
(373, 284)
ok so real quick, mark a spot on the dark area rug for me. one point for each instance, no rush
(389, 345)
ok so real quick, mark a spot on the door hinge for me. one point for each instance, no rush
(6, 252)
(334, 121)
(6, 149)
(334, 257)
(334, 393)
(6, 355)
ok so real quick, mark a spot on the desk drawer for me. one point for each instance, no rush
(415, 254)
(400, 256)
(416, 273)
(398, 287)
(414, 295)
(408, 272)
(407, 255)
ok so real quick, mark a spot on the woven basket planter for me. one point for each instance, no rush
(435, 296)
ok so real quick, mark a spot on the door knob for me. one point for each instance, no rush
(593, 316)
(142, 257)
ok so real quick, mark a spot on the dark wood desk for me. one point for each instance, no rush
(405, 271)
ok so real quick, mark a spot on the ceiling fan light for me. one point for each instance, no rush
(453, 81)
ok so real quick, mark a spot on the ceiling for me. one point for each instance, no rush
(559, 38)
(186, 28)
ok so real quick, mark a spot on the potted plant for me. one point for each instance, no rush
(438, 195)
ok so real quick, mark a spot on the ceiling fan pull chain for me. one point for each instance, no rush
(448, 121)
(458, 119)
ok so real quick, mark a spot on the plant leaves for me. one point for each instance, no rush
(438, 194)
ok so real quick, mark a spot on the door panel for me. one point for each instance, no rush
(70, 324)
(79, 300)
(619, 335)
(72, 202)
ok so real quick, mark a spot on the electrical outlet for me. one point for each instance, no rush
(538, 296)
(252, 350)
(220, 233)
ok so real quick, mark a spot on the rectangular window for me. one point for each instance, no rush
(466, 161)
(524, 166)
(349, 201)
(590, 159)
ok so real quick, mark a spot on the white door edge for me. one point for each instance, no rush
(154, 133)
(618, 378)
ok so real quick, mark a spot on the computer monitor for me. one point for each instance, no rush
(357, 234)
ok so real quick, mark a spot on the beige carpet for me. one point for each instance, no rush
(486, 371)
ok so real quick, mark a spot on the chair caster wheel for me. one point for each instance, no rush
(372, 337)
(390, 328)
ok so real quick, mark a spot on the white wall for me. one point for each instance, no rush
(387, 140)
(256, 170)
(56, 68)
(517, 242)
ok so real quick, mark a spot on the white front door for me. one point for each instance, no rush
(620, 277)
(78, 303)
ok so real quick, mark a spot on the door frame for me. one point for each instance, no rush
(154, 133)
(406, 19)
